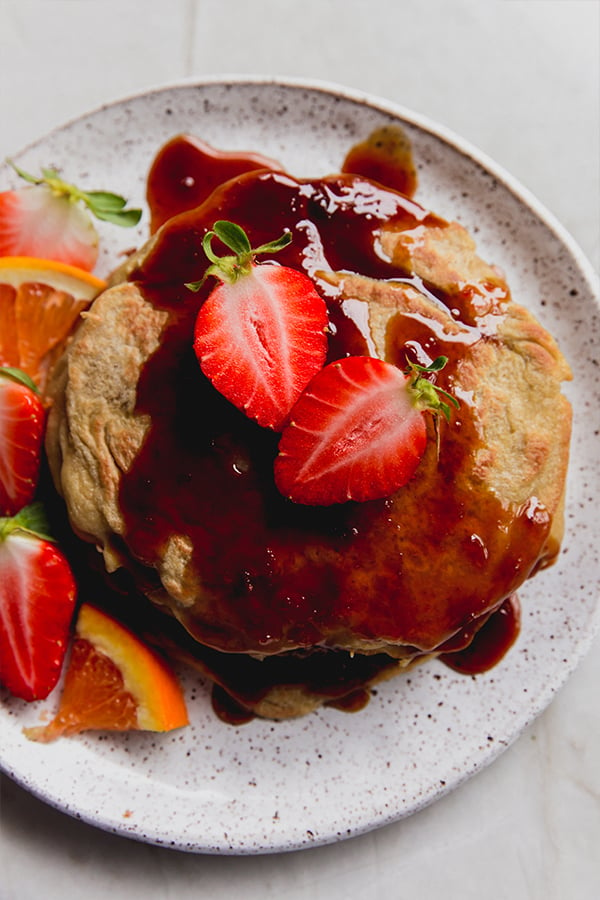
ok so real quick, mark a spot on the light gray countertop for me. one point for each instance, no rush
(518, 79)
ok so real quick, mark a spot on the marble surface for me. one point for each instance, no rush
(519, 79)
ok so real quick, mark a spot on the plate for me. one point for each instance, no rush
(268, 786)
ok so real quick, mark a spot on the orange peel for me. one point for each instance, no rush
(40, 303)
(16, 270)
(114, 682)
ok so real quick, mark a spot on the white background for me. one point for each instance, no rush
(520, 80)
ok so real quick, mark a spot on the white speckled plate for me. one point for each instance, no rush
(265, 786)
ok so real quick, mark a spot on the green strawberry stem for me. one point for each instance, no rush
(425, 394)
(102, 204)
(19, 376)
(31, 520)
(229, 268)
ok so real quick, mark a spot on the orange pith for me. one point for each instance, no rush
(114, 682)
(15, 269)
(40, 302)
(93, 697)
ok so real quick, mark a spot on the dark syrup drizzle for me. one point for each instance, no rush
(185, 172)
(220, 492)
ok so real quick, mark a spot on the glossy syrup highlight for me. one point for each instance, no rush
(206, 471)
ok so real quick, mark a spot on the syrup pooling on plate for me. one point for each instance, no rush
(186, 171)
(385, 156)
(474, 654)
(378, 569)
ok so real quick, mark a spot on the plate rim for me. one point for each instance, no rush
(585, 270)
(420, 120)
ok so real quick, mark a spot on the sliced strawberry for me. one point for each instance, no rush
(35, 222)
(261, 334)
(357, 432)
(50, 220)
(22, 419)
(37, 601)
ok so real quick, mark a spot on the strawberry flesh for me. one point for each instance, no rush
(37, 600)
(261, 339)
(22, 419)
(35, 221)
(354, 434)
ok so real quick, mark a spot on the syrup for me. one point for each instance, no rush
(187, 170)
(476, 653)
(227, 709)
(413, 568)
(386, 157)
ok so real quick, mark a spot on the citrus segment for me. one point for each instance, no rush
(114, 682)
(14, 270)
(145, 674)
(40, 302)
(8, 326)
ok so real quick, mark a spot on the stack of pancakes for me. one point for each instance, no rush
(284, 606)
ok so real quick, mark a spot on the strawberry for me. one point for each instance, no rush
(260, 335)
(49, 219)
(22, 420)
(358, 431)
(37, 601)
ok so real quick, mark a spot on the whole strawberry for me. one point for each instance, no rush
(22, 421)
(37, 601)
(358, 432)
(49, 219)
(260, 336)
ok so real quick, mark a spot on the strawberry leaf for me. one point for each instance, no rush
(111, 208)
(274, 246)
(19, 376)
(232, 236)
(105, 201)
(31, 519)
(229, 268)
(24, 175)
(127, 218)
(426, 394)
(436, 366)
(103, 205)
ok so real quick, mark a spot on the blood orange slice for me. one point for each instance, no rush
(40, 302)
(113, 682)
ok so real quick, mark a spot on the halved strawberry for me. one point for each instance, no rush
(260, 335)
(49, 219)
(22, 420)
(358, 431)
(37, 601)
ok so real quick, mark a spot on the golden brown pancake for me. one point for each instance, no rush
(171, 482)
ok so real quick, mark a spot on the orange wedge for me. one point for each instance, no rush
(114, 682)
(40, 302)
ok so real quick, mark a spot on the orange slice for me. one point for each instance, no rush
(40, 302)
(114, 682)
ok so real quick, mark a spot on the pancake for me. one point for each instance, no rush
(173, 484)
